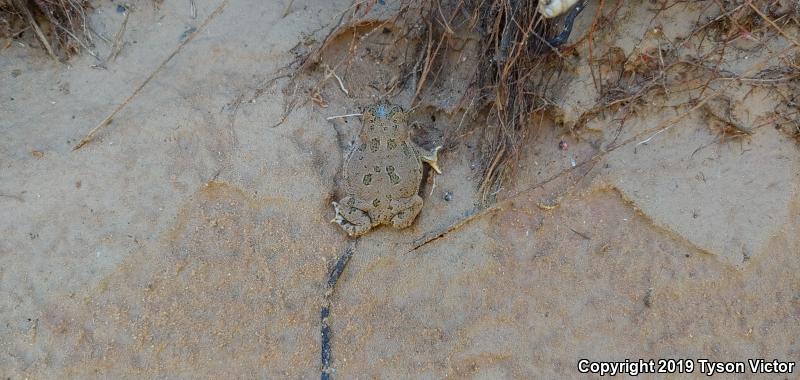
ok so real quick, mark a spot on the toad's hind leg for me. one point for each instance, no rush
(407, 208)
(354, 221)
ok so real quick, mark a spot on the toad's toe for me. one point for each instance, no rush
(432, 158)
(353, 221)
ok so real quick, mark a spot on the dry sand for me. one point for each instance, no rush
(190, 239)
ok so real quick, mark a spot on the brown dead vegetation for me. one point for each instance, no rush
(60, 26)
(514, 80)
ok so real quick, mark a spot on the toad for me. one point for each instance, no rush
(382, 173)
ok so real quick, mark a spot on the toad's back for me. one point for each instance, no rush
(383, 169)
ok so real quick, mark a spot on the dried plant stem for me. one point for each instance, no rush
(116, 48)
(329, 118)
(20, 4)
(430, 237)
(93, 133)
(772, 23)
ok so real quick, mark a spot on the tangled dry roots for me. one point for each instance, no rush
(59, 25)
(516, 77)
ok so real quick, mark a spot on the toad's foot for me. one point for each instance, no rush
(354, 221)
(553, 8)
(409, 208)
(431, 157)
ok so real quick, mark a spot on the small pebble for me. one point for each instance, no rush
(448, 195)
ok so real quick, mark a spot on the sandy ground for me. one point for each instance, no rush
(190, 239)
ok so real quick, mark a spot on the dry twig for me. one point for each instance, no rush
(105, 122)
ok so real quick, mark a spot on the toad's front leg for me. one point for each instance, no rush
(354, 221)
(407, 210)
(429, 156)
